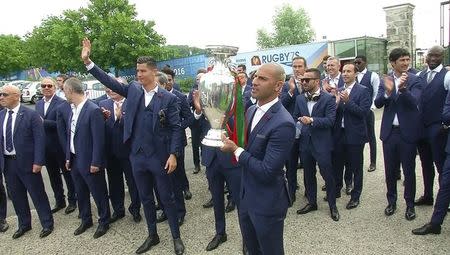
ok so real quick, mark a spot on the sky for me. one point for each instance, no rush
(235, 22)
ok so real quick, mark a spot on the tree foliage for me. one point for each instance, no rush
(180, 51)
(290, 27)
(117, 36)
(12, 54)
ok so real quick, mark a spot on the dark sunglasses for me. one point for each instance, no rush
(357, 62)
(46, 86)
(307, 79)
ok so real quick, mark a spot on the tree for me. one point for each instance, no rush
(12, 55)
(290, 27)
(118, 38)
(180, 51)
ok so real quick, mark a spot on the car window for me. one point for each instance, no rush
(98, 86)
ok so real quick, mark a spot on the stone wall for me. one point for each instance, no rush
(399, 27)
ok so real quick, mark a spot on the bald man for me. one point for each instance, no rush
(270, 138)
(23, 143)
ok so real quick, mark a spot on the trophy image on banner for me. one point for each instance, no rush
(216, 92)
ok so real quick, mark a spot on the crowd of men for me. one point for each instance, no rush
(136, 132)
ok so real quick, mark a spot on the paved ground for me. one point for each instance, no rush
(365, 230)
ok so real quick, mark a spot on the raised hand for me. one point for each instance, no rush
(196, 101)
(388, 85)
(86, 51)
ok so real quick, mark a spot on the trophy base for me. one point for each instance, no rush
(213, 138)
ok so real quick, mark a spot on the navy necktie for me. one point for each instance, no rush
(9, 140)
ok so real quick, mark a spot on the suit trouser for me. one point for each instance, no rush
(370, 121)
(291, 168)
(181, 172)
(443, 196)
(262, 234)
(19, 182)
(351, 157)
(87, 183)
(2, 198)
(310, 156)
(396, 150)
(116, 169)
(217, 176)
(431, 150)
(53, 165)
(196, 134)
(148, 171)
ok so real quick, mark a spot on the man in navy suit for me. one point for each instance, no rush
(246, 90)
(400, 129)
(85, 157)
(316, 111)
(171, 77)
(23, 140)
(264, 196)
(54, 155)
(291, 89)
(443, 197)
(117, 160)
(350, 132)
(431, 146)
(179, 178)
(152, 127)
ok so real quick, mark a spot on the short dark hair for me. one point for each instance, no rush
(75, 85)
(313, 70)
(244, 67)
(354, 66)
(300, 57)
(362, 57)
(398, 53)
(325, 58)
(246, 76)
(201, 70)
(63, 76)
(147, 60)
(168, 71)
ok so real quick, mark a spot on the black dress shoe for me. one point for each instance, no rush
(180, 221)
(178, 246)
(137, 217)
(308, 208)
(424, 201)
(70, 208)
(161, 217)
(372, 167)
(101, 230)
(334, 213)
(216, 241)
(20, 232)
(427, 229)
(410, 213)
(352, 204)
(230, 206)
(58, 207)
(324, 187)
(208, 204)
(115, 217)
(151, 240)
(196, 169)
(187, 195)
(45, 232)
(390, 209)
(3, 225)
(82, 228)
(348, 189)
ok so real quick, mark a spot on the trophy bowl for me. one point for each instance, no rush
(216, 92)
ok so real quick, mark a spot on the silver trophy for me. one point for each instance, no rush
(216, 92)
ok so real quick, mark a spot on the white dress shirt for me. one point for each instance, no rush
(374, 81)
(47, 104)
(433, 73)
(334, 81)
(148, 95)
(73, 124)
(311, 103)
(61, 94)
(13, 119)
(348, 89)
(115, 107)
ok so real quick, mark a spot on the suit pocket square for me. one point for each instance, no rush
(260, 136)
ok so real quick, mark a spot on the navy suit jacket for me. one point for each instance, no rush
(89, 137)
(51, 134)
(354, 113)
(446, 119)
(99, 99)
(168, 136)
(319, 134)
(287, 100)
(114, 132)
(28, 138)
(263, 183)
(186, 116)
(63, 112)
(405, 105)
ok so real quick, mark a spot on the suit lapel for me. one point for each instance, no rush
(262, 122)
(304, 105)
(80, 117)
(2, 120)
(157, 98)
(50, 107)
(40, 107)
(19, 118)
